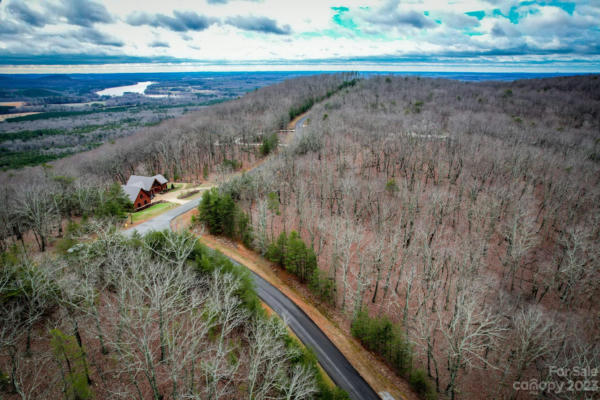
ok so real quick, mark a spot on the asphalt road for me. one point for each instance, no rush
(163, 221)
(331, 359)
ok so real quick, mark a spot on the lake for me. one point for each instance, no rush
(139, 87)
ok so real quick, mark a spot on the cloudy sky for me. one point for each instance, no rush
(404, 34)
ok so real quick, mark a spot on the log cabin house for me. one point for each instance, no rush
(138, 196)
(141, 189)
(153, 184)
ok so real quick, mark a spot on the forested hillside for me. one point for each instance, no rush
(152, 318)
(191, 148)
(453, 228)
(460, 221)
(88, 313)
(47, 117)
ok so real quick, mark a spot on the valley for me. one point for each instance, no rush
(43, 118)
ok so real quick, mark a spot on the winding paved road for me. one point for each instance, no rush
(331, 359)
(163, 221)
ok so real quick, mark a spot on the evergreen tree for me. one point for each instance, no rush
(223, 217)
(114, 203)
(71, 359)
(276, 250)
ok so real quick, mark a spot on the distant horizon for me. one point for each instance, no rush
(139, 68)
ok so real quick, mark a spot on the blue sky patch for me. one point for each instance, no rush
(340, 10)
(568, 6)
(477, 14)
(516, 13)
(340, 19)
(513, 15)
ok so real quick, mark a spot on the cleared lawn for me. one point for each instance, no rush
(150, 212)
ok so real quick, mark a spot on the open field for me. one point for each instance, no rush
(12, 103)
(4, 117)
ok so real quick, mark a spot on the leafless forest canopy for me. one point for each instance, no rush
(467, 213)
(159, 317)
(39, 198)
(133, 320)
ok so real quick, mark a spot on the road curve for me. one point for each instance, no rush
(331, 359)
(163, 221)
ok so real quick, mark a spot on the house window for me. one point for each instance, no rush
(145, 202)
(139, 205)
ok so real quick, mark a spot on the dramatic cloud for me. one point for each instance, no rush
(275, 32)
(391, 16)
(93, 36)
(85, 13)
(458, 20)
(26, 14)
(181, 21)
(498, 31)
(259, 24)
(184, 21)
(10, 28)
(157, 43)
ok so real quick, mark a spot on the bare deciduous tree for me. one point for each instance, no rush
(299, 385)
(520, 234)
(535, 337)
(468, 335)
(351, 237)
(38, 212)
(267, 357)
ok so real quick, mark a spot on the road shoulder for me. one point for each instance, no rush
(363, 361)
